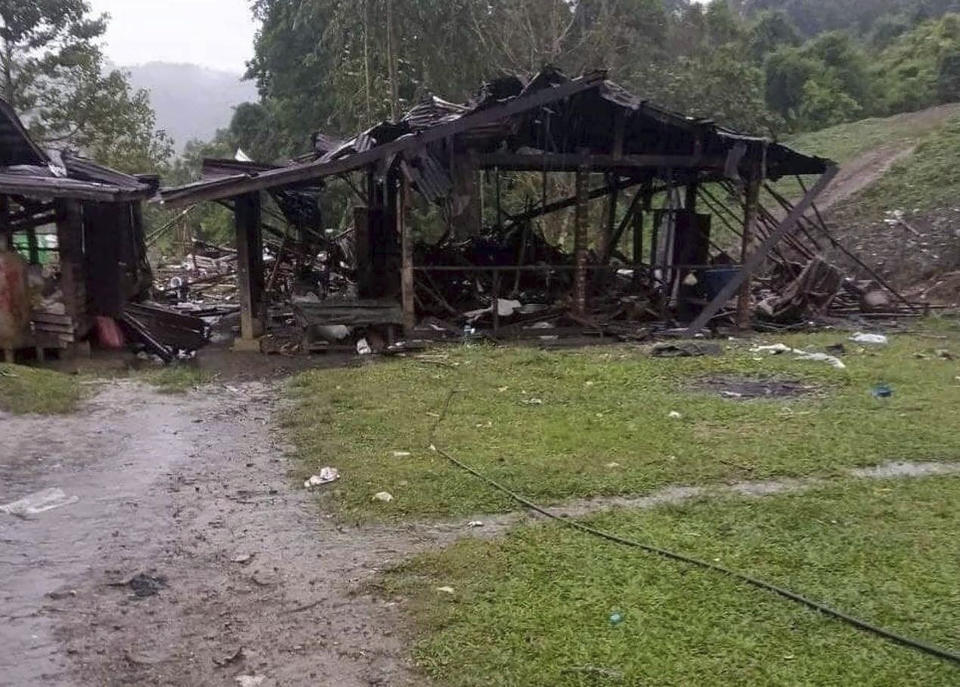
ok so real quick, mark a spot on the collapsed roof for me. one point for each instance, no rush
(550, 122)
(27, 171)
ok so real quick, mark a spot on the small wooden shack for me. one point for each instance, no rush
(78, 222)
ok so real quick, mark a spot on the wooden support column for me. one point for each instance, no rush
(247, 212)
(610, 237)
(70, 249)
(749, 227)
(407, 283)
(758, 256)
(580, 242)
(6, 234)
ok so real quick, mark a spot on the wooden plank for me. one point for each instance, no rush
(407, 283)
(249, 257)
(749, 225)
(761, 253)
(570, 162)
(580, 243)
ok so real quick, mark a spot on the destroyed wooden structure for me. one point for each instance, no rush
(614, 145)
(98, 259)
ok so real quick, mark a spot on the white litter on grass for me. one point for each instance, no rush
(475, 523)
(249, 680)
(401, 454)
(446, 590)
(876, 339)
(777, 349)
(363, 347)
(39, 502)
(326, 476)
(674, 415)
(384, 496)
(532, 402)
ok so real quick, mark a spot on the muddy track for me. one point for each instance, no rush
(193, 490)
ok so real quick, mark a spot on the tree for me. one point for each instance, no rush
(53, 75)
(771, 30)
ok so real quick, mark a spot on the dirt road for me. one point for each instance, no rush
(192, 491)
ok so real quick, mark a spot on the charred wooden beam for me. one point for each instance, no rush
(758, 256)
(571, 162)
(249, 265)
(751, 208)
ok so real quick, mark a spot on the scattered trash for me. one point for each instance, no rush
(674, 415)
(363, 347)
(616, 618)
(249, 680)
(532, 402)
(39, 502)
(875, 339)
(143, 585)
(446, 590)
(685, 350)
(475, 523)
(613, 465)
(243, 558)
(882, 391)
(326, 476)
(401, 454)
(777, 349)
(384, 496)
(229, 659)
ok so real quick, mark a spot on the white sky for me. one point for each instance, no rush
(212, 33)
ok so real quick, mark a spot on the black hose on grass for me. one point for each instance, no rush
(767, 586)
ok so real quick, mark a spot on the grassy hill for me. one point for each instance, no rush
(904, 164)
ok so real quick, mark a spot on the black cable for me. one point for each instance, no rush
(665, 553)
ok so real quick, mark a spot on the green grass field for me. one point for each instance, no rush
(534, 607)
(596, 422)
(29, 390)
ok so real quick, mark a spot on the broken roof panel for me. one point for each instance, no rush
(550, 115)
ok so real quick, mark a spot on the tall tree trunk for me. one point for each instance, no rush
(8, 85)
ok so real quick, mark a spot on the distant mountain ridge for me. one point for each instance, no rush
(191, 101)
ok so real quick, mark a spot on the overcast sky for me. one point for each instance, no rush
(213, 33)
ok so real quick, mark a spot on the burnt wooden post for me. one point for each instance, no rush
(70, 249)
(580, 242)
(749, 225)
(250, 266)
(406, 269)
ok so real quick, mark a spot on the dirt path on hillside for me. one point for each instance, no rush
(862, 171)
(192, 490)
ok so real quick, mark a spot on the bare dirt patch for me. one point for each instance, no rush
(745, 388)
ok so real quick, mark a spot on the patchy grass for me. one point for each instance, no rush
(846, 142)
(176, 378)
(928, 179)
(534, 608)
(550, 424)
(26, 390)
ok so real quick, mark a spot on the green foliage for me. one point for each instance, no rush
(919, 69)
(52, 72)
